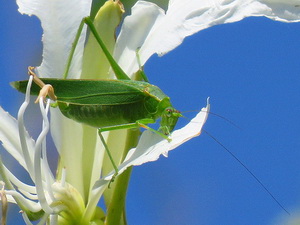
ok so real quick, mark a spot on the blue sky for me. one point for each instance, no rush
(250, 70)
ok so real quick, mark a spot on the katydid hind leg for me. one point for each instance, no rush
(111, 128)
(72, 51)
(120, 74)
(109, 155)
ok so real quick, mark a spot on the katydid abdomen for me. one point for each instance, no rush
(108, 115)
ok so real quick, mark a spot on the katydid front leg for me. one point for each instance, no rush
(141, 68)
(138, 124)
(46, 89)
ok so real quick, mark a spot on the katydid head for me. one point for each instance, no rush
(169, 118)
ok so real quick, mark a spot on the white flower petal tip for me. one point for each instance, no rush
(60, 21)
(151, 145)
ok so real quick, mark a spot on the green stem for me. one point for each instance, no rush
(116, 208)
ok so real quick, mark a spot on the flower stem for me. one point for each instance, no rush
(116, 208)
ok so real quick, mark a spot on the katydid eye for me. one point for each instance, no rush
(169, 112)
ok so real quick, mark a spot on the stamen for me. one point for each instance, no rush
(43, 219)
(37, 162)
(31, 205)
(49, 179)
(53, 219)
(18, 183)
(27, 221)
(11, 199)
(22, 132)
(28, 195)
(63, 177)
(25, 218)
(14, 196)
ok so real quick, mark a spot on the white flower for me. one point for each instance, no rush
(149, 29)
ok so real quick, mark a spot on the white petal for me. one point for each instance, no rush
(134, 32)
(184, 18)
(283, 10)
(9, 136)
(72, 139)
(95, 194)
(67, 137)
(151, 145)
(60, 21)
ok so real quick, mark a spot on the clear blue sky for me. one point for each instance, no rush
(251, 71)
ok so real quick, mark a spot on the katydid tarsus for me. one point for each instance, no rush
(112, 104)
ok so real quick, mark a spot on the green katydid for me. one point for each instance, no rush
(107, 104)
(113, 104)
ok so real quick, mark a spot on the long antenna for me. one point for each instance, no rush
(249, 171)
(217, 115)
